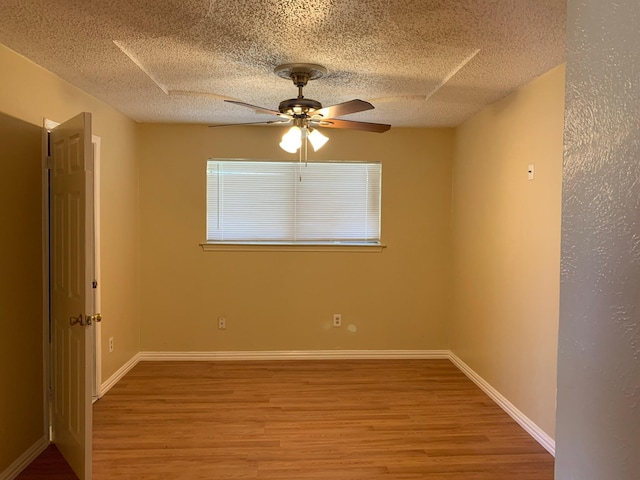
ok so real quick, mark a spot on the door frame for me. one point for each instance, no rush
(46, 328)
(96, 330)
(97, 326)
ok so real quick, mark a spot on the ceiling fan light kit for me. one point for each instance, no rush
(292, 140)
(307, 114)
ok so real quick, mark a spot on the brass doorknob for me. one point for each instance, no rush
(94, 318)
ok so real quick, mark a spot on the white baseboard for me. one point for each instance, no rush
(525, 422)
(296, 355)
(25, 459)
(121, 372)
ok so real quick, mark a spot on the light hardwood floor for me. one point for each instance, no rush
(308, 420)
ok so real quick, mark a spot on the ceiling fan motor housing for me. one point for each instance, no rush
(299, 107)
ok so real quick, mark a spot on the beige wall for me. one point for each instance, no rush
(30, 93)
(397, 299)
(21, 336)
(506, 245)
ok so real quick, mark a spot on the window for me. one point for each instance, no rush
(313, 203)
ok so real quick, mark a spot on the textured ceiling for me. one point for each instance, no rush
(420, 62)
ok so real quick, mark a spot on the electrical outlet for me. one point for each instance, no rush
(222, 323)
(337, 320)
(110, 344)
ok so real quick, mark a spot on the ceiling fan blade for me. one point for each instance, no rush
(270, 122)
(364, 126)
(256, 108)
(346, 108)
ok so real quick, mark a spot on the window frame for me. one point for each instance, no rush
(299, 246)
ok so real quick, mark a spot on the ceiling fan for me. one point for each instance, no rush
(306, 114)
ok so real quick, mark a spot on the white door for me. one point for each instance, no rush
(71, 296)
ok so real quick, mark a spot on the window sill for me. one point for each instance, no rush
(292, 247)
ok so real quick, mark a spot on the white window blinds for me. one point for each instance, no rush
(293, 202)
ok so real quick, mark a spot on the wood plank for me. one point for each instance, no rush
(307, 420)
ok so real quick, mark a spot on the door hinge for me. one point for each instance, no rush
(94, 284)
(49, 163)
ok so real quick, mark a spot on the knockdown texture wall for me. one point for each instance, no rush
(599, 343)
(506, 245)
(277, 300)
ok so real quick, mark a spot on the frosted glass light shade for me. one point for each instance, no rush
(317, 140)
(292, 140)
